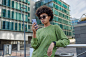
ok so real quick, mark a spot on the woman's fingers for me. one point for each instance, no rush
(37, 27)
(49, 53)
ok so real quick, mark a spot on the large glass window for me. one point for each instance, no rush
(3, 27)
(56, 18)
(28, 8)
(50, 4)
(26, 18)
(19, 26)
(8, 3)
(15, 26)
(25, 27)
(28, 26)
(12, 4)
(8, 13)
(28, 2)
(8, 25)
(22, 27)
(12, 25)
(16, 16)
(12, 14)
(3, 2)
(28, 14)
(15, 5)
(19, 6)
(4, 12)
(20, 16)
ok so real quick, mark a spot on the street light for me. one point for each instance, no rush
(23, 28)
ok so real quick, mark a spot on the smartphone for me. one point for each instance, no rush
(34, 20)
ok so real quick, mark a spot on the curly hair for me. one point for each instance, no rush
(44, 9)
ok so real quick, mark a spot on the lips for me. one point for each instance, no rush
(42, 21)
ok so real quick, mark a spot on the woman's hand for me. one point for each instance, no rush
(50, 49)
(33, 28)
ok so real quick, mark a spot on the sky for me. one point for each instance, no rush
(77, 8)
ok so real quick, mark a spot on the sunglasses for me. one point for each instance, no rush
(43, 17)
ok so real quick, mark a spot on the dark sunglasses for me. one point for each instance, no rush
(44, 16)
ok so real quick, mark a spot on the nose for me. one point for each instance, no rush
(42, 19)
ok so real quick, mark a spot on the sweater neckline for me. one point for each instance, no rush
(47, 26)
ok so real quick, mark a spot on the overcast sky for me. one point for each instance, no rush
(77, 7)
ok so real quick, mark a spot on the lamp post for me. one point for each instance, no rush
(23, 28)
(24, 32)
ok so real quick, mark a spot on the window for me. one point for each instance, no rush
(20, 16)
(22, 27)
(16, 5)
(12, 25)
(12, 14)
(3, 2)
(28, 2)
(26, 18)
(28, 8)
(8, 25)
(19, 6)
(50, 4)
(12, 4)
(28, 26)
(17, 16)
(28, 14)
(15, 26)
(8, 13)
(4, 12)
(19, 26)
(56, 18)
(3, 25)
(25, 27)
(8, 3)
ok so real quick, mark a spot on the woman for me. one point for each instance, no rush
(46, 39)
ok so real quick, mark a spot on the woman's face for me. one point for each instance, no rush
(44, 18)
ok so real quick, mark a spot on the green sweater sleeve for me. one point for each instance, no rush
(34, 41)
(61, 37)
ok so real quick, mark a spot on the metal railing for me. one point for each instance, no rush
(77, 46)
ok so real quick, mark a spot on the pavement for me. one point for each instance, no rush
(17, 53)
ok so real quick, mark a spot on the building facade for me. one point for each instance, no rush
(74, 22)
(11, 21)
(61, 14)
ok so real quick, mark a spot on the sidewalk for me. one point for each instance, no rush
(16, 53)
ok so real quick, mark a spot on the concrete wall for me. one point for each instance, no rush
(10, 35)
(80, 36)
